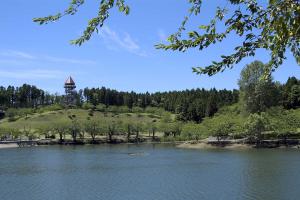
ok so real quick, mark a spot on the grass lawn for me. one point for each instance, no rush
(43, 119)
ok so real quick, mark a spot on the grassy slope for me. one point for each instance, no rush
(232, 114)
(38, 120)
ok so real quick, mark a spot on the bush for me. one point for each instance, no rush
(123, 109)
(101, 107)
(154, 110)
(54, 107)
(12, 113)
(255, 125)
(137, 110)
(91, 113)
(192, 131)
(222, 130)
(87, 106)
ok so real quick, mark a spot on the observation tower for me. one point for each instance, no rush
(70, 91)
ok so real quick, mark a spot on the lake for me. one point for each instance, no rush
(148, 172)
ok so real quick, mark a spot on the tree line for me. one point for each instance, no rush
(26, 96)
(192, 104)
(255, 94)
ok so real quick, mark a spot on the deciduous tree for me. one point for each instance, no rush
(274, 27)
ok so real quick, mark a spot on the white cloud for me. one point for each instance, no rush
(67, 60)
(10, 62)
(32, 74)
(17, 57)
(116, 41)
(17, 54)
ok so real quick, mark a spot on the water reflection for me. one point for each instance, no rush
(160, 172)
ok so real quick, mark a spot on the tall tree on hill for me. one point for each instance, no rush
(128, 100)
(294, 97)
(257, 94)
(291, 93)
(211, 106)
(11, 96)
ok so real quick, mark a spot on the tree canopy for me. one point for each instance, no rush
(257, 94)
(274, 27)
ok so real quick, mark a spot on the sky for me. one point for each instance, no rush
(121, 56)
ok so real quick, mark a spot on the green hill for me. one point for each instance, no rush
(229, 120)
(37, 120)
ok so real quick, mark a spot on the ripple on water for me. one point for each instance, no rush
(147, 172)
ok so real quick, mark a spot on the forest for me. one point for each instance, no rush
(190, 105)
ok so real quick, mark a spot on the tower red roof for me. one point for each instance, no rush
(69, 81)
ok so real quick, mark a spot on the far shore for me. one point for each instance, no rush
(205, 145)
(194, 144)
(236, 145)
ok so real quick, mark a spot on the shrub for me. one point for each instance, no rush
(101, 107)
(222, 130)
(87, 106)
(11, 113)
(255, 125)
(91, 113)
(192, 131)
(154, 110)
(137, 110)
(53, 107)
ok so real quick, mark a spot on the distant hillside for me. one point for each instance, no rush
(230, 121)
(49, 118)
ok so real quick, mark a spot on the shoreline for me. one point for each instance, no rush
(200, 144)
(204, 144)
(36, 143)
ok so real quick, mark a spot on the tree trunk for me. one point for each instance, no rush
(60, 137)
(137, 136)
(109, 137)
(74, 136)
(153, 134)
(81, 135)
(128, 132)
(285, 140)
(128, 135)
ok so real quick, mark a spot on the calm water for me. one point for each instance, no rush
(156, 172)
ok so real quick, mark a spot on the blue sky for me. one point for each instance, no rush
(122, 56)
